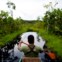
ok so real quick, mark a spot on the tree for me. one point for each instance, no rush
(11, 6)
(53, 20)
(3, 21)
(48, 15)
(50, 6)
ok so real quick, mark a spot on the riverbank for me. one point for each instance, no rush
(8, 38)
(53, 41)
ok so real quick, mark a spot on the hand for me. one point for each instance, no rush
(21, 41)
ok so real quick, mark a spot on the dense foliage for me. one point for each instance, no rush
(8, 24)
(53, 21)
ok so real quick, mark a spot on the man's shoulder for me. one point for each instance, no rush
(37, 48)
(24, 48)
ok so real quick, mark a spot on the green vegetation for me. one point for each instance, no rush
(53, 21)
(9, 37)
(52, 41)
(50, 28)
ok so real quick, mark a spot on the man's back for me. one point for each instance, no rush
(31, 50)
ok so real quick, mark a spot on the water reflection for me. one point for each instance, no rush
(38, 41)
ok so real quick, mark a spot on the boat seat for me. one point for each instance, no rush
(31, 59)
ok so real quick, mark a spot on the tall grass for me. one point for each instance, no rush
(52, 41)
(9, 38)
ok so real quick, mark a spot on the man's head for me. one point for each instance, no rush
(31, 39)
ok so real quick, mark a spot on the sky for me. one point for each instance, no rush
(29, 9)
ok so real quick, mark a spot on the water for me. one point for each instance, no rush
(38, 41)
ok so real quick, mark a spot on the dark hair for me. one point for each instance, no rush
(45, 47)
(31, 39)
(40, 51)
